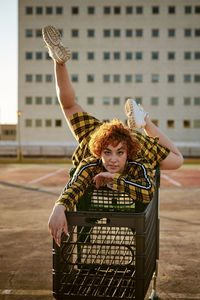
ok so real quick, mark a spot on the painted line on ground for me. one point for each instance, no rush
(171, 180)
(46, 176)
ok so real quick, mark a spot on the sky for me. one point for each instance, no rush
(8, 61)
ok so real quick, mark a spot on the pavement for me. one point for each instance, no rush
(27, 195)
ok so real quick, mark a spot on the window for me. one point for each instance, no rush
(75, 10)
(48, 100)
(59, 10)
(116, 32)
(138, 100)
(29, 10)
(90, 33)
(49, 10)
(57, 101)
(38, 100)
(197, 10)
(29, 78)
(197, 101)
(75, 55)
(116, 55)
(74, 78)
(187, 101)
(187, 78)
(90, 55)
(155, 78)
(58, 123)
(187, 55)
(48, 78)
(29, 55)
(129, 10)
(171, 55)
(129, 32)
(155, 10)
(170, 100)
(106, 10)
(154, 101)
(138, 55)
(28, 100)
(117, 10)
(106, 78)
(196, 123)
(47, 56)
(38, 33)
(138, 78)
(106, 100)
(155, 32)
(106, 33)
(139, 10)
(170, 123)
(187, 32)
(197, 32)
(28, 123)
(75, 33)
(171, 10)
(171, 32)
(128, 78)
(197, 78)
(128, 55)
(155, 122)
(116, 101)
(91, 10)
(196, 55)
(155, 55)
(139, 32)
(90, 78)
(48, 123)
(106, 55)
(38, 123)
(29, 33)
(39, 10)
(186, 123)
(171, 78)
(188, 10)
(90, 100)
(38, 55)
(116, 78)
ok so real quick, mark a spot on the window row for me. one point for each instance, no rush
(155, 55)
(58, 123)
(107, 10)
(138, 78)
(117, 32)
(39, 78)
(41, 123)
(41, 100)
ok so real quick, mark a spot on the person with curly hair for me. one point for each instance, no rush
(110, 153)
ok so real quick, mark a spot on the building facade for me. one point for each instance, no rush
(148, 50)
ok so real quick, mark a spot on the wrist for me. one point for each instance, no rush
(59, 207)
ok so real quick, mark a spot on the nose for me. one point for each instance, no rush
(113, 158)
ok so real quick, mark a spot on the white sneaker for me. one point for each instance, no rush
(136, 115)
(57, 51)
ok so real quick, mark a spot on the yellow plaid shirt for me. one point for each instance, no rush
(137, 180)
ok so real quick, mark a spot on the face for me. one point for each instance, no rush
(114, 158)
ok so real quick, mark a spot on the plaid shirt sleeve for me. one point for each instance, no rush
(151, 149)
(137, 181)
(82, 179)
(83, 125)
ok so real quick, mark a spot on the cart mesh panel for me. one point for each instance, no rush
(98, 261)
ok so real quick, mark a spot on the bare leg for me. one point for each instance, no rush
(175, 158)
(65, 92)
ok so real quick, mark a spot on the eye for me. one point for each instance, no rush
(120, 152)
(106, 152)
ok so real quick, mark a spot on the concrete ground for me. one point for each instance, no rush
(27, 195)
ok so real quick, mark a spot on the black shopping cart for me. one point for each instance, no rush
(112, 248)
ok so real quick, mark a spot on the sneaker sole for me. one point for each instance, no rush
(51, 36)
(129, 111)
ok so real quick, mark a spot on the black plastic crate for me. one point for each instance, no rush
(109, 254)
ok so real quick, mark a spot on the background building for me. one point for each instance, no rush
(148, 50)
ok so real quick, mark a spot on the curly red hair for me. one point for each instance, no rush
(113, 133)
